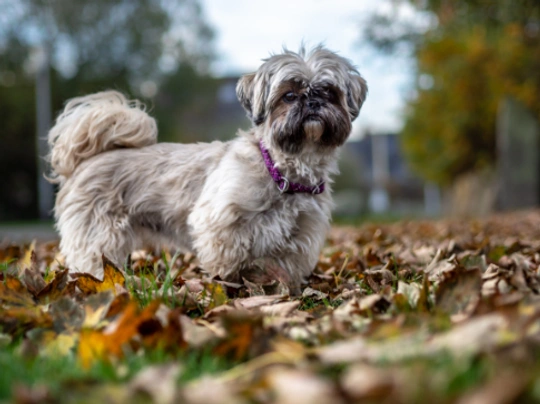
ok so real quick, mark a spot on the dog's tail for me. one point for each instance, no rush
(94, 124)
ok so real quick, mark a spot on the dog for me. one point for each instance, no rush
(264, 195)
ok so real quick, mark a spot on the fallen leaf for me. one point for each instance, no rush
(29, 256)
(13, 292)
(57, 288)
(96, 345)
(159, 382)
(258, 301)
(92, 347)
(96, 308)
(111, 276)
(458, 292)
(292, 386)
(214, 295)
(243, 336)
(211, 390)
(67, 315)
(507, 387)
(32, 278)
(411, 291)
(60, 346)
(314, 294)
(362, 382)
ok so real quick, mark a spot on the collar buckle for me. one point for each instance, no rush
(285, 187)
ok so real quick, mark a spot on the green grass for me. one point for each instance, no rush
(60, 372)
(374, 218)
(308, 303)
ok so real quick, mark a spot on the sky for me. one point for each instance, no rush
(249, 30)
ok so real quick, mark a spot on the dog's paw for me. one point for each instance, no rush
(266, 277)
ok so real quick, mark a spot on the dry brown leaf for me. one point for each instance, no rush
(283, 309)
(32, 278)
(13, 283)
(201, 333)
(507, 387)
(21, 318)
(57, 288)
(159, 382)
(314, 294)
(67, 314)
(258, 301)
(362, 382)
(479, 334)
(458, 292)
(210, 390)
(244, 335)
(291, 386)
(13, 292)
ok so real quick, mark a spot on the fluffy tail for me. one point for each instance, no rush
(94, 124)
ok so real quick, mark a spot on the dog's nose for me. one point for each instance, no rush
(314, 104)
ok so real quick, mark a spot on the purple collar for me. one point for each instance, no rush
(283, 184)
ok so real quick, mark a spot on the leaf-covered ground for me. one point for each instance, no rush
(445, 311)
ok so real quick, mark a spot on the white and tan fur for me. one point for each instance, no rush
(120, 190)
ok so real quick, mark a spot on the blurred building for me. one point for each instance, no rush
(376, 179)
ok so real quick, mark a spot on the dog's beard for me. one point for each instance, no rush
(325, 129)
(314, 129)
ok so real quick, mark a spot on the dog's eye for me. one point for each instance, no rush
(290, 97)
(329, 94)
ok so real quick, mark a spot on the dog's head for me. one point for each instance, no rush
(305, 97)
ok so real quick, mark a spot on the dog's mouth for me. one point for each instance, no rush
(313, 117)
(313, 127)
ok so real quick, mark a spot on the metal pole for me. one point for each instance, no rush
(378, 199)
(43, 120)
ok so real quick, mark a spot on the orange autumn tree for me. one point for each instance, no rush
(472, 55)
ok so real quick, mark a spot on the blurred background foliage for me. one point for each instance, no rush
(146, 48)
(470, 55)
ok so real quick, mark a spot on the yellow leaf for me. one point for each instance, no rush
(218, 296)
(96, 308)
(98, 345)
(111, 275)
(92, 347)
(60, 346)
(29, 256)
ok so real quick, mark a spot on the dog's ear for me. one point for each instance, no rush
(251, 93)
(244, 92)
(356, 94)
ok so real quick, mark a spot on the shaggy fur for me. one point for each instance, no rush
(120, 190)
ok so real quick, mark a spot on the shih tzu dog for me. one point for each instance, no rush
(263, 195)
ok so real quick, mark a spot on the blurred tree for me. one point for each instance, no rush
(469, 55)
(130, 45)
(96, 39)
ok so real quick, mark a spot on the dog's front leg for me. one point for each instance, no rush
(219, 242)
(302, 256)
